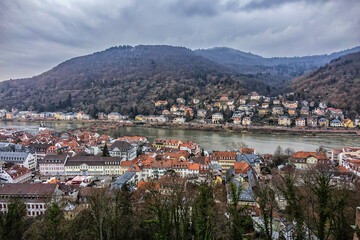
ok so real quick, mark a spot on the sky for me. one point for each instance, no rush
(36, 35)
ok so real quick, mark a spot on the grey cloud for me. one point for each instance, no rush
(36, 35)
(266, 4)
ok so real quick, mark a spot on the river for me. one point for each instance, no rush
(263, 143)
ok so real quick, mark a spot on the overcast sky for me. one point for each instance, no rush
(36, 35)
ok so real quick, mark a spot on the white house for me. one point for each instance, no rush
(24, 159)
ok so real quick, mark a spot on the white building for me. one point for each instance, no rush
(15, 174)
(217, 118)
(122, 149)
(53, 165)
(23, 159)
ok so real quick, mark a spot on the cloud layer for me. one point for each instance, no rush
(36, 35)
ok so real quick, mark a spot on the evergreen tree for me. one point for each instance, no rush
(203, 213)
(105, 151)
(12, 224)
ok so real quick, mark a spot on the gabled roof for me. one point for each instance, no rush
(302, 154)
(122, 145)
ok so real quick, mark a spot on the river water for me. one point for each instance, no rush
(263, 143)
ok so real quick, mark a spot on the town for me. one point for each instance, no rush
(69, 166)
(244, 110)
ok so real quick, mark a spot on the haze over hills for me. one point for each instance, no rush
(283, 67)
(337, 82)
(127, 79)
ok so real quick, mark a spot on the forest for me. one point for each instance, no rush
(309, 203)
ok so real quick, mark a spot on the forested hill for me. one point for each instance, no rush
(120, 78)
(337, 82)
(275, 67)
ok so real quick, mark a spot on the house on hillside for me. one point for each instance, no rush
(217, 118)
(284, 121)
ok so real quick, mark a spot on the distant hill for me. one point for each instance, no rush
(275, 69)
(126, 79)
(337, 82)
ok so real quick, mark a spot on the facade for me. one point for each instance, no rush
(223, 158)
(284, 121)
(24, 159)
(217, 118)
(349, 158)
(123, 150)
(300, 122)
(336, 123)
(15, 174)
(53, 165)
(92, 166)
(277, 111)
(201, 113)
(40, 150)
(35, 196)
(312, 121)
(302, 159)
(246, 121)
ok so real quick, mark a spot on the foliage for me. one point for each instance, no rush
(105, 152)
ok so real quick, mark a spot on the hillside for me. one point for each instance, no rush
(120, 78)
(276, 68)
(337, 82)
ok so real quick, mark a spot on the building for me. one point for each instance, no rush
(92, 166)
(246, 121)
(15, 174)
(349, 158)
(300, 122)
(217, 118)
(223, 158)
(277, 111)
(35, 196)
(312, 121)
(323, 122)
(122, 149)
(336, 123)
(53, 165)
(114, 116)
(24, 159)
(284, 121)
(40, 150)
(201, 113)
(302, 159)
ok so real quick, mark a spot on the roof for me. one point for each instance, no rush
(27, 189)
(123, 145)
(91, 160)
(123, 179)
(54, 158)
(302, 154)
(241, 167)
(17, 171)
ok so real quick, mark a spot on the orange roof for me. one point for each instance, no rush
(241, 167)
(148, 186)
(341, 168)
(301, 154)
(194, 166)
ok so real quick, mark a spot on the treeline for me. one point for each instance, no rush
(178, 209)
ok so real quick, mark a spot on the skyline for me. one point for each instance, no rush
(35, 36)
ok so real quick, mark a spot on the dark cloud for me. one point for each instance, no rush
(36, 35)
(266, 4)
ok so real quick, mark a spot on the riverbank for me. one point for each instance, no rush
(97, 125)
(253, 129)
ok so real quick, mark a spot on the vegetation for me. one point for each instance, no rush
(338, 83)
(173, 208)
(126, 80)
